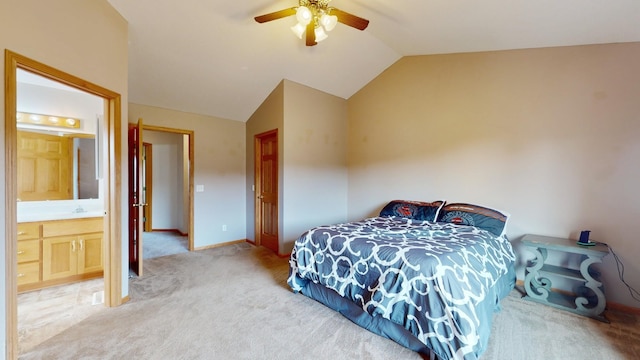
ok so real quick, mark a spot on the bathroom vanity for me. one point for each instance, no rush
(56, 252)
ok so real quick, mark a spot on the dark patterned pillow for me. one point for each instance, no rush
(482, 217)
(417, 210)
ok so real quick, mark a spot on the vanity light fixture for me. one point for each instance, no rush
(47, 120)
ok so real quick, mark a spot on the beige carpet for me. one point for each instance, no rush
(162, 243)
(233, 303)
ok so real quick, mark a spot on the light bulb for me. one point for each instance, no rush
(328, 21)
(320, 34)
(303, 14)
(298, 29)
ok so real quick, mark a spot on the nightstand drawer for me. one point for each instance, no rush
(28, 250)
(28, 273)
(28, 231)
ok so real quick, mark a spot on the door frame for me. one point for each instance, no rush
(191, 153)
(112, 139)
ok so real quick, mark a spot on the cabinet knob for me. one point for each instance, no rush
(20, 252)
(20, 275)
(21, 232)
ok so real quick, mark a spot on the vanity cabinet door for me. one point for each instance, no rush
(59, 257)
(90, 254)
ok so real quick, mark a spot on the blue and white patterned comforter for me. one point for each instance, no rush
(427, 277)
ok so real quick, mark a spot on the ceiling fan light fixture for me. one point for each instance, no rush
(315, 18)
(320, 34)
(328, 21)
(298, 29)
(304, 15)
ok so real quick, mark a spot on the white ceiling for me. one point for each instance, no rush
(210, 57)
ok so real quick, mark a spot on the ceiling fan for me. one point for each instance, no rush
(316, 18)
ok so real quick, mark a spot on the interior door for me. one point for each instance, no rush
(135, 198)
(266, 175)
(147, 185)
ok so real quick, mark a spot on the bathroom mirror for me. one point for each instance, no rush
(56, 166)
(57, 148)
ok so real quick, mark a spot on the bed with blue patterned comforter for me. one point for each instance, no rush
(432, 287)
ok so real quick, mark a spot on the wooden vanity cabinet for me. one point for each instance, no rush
(28, 253)
(66, 256)
(68, 251)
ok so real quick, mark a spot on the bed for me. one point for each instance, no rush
(427, 275)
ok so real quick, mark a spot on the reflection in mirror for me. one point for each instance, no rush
(56, 167)
(57, 125)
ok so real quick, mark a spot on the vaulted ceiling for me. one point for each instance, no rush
(210, 57)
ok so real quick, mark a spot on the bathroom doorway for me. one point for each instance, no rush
(98, 251)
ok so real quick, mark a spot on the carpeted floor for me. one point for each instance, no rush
(233, 303)
(162, 243)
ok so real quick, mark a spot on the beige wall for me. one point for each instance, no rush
(167, 210)
(87, 39)
(268, 116)
(548, 135)
(315, 161)
(312, 159)
(219, 165)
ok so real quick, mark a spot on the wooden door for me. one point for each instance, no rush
(90, 253)
(135, 198)
(266, 177)
(147, 185)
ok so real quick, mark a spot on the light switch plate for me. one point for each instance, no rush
(199, 188)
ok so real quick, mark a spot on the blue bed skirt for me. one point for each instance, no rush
(388, 329)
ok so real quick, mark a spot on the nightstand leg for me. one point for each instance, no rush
(537, 287)
(595, 287)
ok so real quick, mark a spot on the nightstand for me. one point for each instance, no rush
(589, 299)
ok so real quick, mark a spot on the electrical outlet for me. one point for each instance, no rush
(224, 227)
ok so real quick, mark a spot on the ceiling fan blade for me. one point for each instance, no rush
(275, 15)
(311, 34)
(350, 19)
